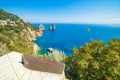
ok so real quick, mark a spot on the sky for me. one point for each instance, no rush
(65, 11)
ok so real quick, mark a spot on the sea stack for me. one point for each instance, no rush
(40, 30)
(88, 29)
(41, 27)
(52, 27)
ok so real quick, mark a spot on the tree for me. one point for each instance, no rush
(95, 60)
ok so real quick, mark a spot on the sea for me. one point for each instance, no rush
(67, 36)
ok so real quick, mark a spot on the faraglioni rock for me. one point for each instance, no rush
(52, 27)
(41, 27)
(40, 30)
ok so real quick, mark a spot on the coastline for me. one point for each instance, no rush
(36, 34)
(59, 39)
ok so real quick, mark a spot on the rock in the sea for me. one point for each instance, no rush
(50, 49)
(41, 27)
(52, 27)
(88, 29)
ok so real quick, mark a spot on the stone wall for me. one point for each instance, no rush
(43, 65)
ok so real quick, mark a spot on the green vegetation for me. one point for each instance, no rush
(56, 55)
(41, 56)
(2, 49)
(95, 61)
(16, 37)
(5, 15)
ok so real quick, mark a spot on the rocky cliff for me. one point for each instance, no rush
(16, 34)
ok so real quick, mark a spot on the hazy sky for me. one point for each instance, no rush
(65, 11)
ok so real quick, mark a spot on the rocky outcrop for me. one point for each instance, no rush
(32, 33)
(50, 49)
(88, 29)
(36, 48)
(52, 27)
(41, 27)
(39, 33)
(40, 30)
(35, 33)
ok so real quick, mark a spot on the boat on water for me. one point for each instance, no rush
(52, 27)
(88, 29)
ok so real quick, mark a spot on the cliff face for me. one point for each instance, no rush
(16, 34)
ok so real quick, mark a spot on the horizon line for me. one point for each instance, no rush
(73, 22)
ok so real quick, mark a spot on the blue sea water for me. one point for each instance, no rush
(67, 36)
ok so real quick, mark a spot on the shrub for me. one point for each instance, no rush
(56, 55)
(41, 56)
(2, 49)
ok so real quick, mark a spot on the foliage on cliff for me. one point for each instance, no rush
(95, 61)
(17, 37)
(5, 15)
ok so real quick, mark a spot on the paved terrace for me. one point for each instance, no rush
(12, 69)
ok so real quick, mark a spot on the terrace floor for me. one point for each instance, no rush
(12, 69)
